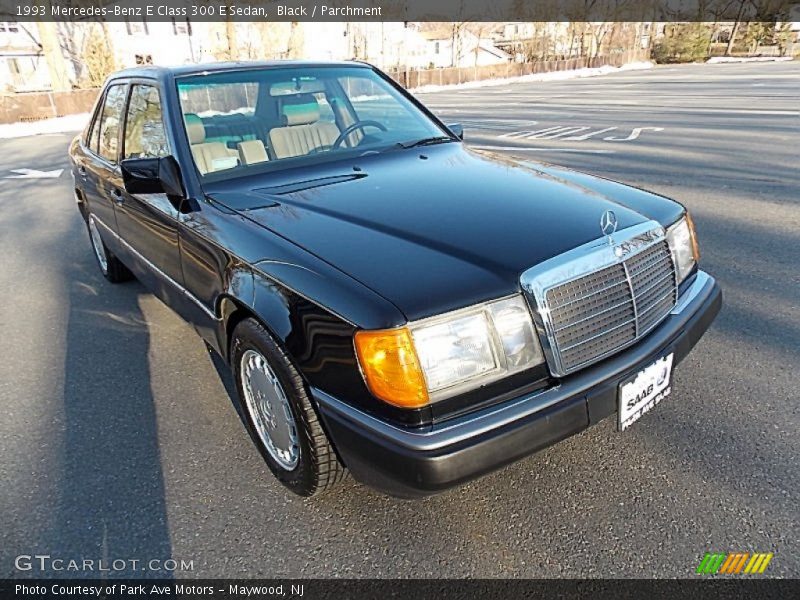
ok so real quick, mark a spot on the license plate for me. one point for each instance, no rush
(640, 394)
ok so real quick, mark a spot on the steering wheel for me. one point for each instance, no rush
(358, 125)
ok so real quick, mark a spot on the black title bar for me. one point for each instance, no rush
(398, 10)
(710, 588)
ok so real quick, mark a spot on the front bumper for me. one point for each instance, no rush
(414, 462)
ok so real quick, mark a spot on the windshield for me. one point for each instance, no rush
(251, 120)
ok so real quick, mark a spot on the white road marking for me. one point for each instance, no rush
(586, 136)
(634, 134)
(530, 134)
(554, 149)
(568, 133)
(34, 174)
(562, 132)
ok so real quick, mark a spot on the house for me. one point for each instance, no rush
(139, 42)
(555, 39)
(388, 45)
(23, 67)
(458, 47)
(794, 22)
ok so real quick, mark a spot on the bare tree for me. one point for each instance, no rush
(294, 48)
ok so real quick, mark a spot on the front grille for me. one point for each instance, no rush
(596, 314)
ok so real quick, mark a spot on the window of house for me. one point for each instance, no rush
(181, 27)
(436, 48)
(110, 122)
(144, 128)
(9, 27)
(136, 27)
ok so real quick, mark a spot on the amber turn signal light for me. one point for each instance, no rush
(391, 367)
(693, 236)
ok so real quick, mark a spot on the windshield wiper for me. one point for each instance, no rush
(439, 139)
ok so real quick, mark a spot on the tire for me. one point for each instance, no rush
(110, 266)
(305, 462)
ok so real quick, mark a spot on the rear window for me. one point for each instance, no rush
(217, 99)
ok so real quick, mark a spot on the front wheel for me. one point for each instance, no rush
(109, 264)
(279, 413)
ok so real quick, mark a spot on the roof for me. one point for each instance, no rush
(159, 72)
(495, 51)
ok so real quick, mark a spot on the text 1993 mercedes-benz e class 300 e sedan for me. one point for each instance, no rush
(391, 302)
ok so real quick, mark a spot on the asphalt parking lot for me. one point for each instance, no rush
(119, 440)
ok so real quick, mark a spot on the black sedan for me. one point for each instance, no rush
(391, 303)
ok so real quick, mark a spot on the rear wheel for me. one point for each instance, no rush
(109, 264)
(280, 416)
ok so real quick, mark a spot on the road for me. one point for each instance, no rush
(119, 439)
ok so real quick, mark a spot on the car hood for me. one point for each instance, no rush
(440, 228)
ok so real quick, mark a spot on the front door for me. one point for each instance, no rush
(148, 223)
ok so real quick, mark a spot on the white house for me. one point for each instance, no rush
(460, 48)
(387, 45)
(23, 67)
(138, 42)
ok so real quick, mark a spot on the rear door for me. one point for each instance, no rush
(148, 223)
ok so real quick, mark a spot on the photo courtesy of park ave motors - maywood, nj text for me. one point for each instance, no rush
(307, 299)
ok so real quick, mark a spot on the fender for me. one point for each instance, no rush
(319, 339)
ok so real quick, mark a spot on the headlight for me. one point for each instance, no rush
(683, 245)
(436, 358)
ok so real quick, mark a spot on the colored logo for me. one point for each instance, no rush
(734, 563)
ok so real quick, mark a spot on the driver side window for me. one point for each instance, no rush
(144, 128)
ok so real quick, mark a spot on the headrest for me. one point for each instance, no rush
(194, 128)
(300, 110)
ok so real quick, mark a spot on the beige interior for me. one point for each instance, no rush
(209, 156)
(303, 132)
(252, 152)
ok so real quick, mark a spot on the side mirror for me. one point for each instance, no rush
(152, 176)
(457, 129)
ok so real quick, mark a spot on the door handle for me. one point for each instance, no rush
(117, 196)
(82, 171)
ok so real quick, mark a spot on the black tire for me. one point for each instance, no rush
(318, 468)
(113, 269)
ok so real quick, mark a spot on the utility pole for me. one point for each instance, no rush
(732, 39)
(51, 49)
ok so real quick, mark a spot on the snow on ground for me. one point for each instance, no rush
(740, 59)
(551, 76)
(68, 124)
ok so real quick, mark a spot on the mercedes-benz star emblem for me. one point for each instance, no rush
(608, 223)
